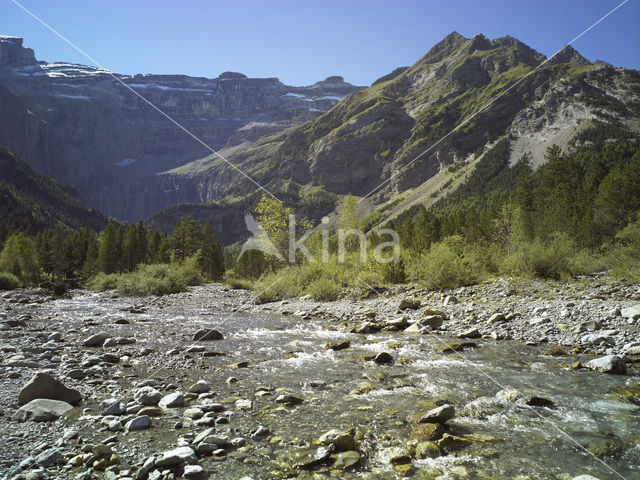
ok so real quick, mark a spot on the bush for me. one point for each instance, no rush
(159, 279)
(449, 263)
(19, 258)
(624, 257)
(535, 258)
(102, 281)
(8, 281)
(235, 283)
(323, 289)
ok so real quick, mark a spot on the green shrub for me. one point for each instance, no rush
(101, 282)
(586, 262)
(323, 289)
(159, 279)
(235, 283)
(19, 257)
(624, 257)
(535, 258)
(8, 281)
(449, 263)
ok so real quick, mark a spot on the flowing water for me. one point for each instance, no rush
(511, 439)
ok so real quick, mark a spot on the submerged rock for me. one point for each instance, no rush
(207, 334)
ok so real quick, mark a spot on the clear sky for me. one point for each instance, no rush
(302, 41)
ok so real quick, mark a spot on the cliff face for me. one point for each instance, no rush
(80, 124)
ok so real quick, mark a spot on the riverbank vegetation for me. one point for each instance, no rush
(577, 214)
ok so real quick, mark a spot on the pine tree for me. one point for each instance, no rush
(109, 250)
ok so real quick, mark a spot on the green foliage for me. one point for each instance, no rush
(624, 257)
(8, 281)
(323, 289)
(33, 202)
(233, 282)
(159, 279)
(545, 260)
(449, 263)
(19, 257)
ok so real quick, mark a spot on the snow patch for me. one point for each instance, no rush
(77, 97)
(126, 162)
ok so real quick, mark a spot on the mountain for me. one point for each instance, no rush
(373, 133)
(32, 200)
(86, 126)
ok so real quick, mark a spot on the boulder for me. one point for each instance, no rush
(201, 386)
(438, 415)
(431, 321)
(147, 395)
(409, 304)
(207, 334)
(43, 385)
(175, 457)
(339, 345)
(341, 441)
(609, 364)
(96, 340)
(631, 312)
(42, 410)
(141, 422)
(173, 400)
(112, 406)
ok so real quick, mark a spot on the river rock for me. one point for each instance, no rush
(96, 340)
(438, 415)
(173, 400)
(383, 358)
(341, 441)
(141, 422)
(201, 386)
(631, 312)
(43, 385)
(535, 401)
(346, 460)
(450, 300)
(289, 400)
(585, 477)
(175, 457)
(427, 450)
(147, 395)
(609, 364)
(496, 318)
(112, 406)
(49, 457)
(339, 345)
(471, 333)
(431, 321)
(42, 410)
(207, 334)
(409, 304)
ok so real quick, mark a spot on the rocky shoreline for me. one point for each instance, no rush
(124, 394)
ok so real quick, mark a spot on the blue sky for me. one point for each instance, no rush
(303, 41)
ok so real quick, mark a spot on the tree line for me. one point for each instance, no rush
(62, 255)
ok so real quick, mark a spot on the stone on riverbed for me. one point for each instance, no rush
(201, 386)
(112, 406)
(456, 347)
(535, 401)
(339, 345)
(409, 304)
(207, 334)
(96, 340)
(438, 415)
(289, 400)
(138, 423)
(147, 396)
(346, 460)
(631, 312)
(173, 400)
(471, 333)
(341, 441)
(175, 457)
(43, 385)
(42, 410)
(609, 364)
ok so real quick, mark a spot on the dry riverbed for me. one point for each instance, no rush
(507, 379)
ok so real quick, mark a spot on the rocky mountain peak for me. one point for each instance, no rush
(13, 54)
(568, 54)
(447, 46)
